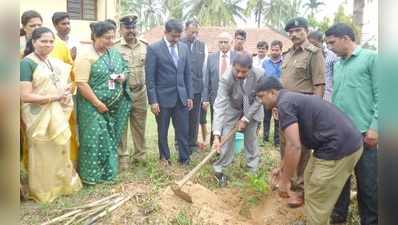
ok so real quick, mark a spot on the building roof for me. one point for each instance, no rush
(209, 34)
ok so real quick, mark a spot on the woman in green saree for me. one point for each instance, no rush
(103, 105)
(45, 110)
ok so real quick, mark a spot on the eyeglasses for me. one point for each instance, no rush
(223, 42)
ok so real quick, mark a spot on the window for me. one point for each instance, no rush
(82, 9)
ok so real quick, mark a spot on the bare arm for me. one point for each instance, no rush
(88, 93)
(28, 96)
(292, 151)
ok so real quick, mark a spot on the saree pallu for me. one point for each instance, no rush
(62, 53)
(48, 134)
(100, 133)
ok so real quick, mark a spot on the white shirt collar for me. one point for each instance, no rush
(228, 54)
(168, 43)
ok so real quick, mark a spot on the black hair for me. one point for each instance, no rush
(26, 17)
(316, 35)
(36, 34)
(277, 43)
(100, 28)
(243, 59)
(266, 83)
(194, 23)
(240, 32)
(340, 30)
(262, 44)
(173, 25)
(59, 16)
(111, 22)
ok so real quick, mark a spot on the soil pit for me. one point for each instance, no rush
(226, 206)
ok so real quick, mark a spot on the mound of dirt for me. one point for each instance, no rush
(225, 206)
(274, 211)
(207, 207)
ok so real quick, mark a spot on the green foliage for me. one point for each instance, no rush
(313, 6)
(150, 12)
(182, 218)
(258, 7)
(174, 8)
(341, 17)
(278, 12)
(322, 25)
(258, 182)
(215, 12)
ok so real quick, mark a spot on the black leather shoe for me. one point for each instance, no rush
(185, 163)
(221, 179)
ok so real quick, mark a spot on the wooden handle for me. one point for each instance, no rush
(206, 159)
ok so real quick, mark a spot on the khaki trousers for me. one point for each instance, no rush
(136, 127)
(324, 181)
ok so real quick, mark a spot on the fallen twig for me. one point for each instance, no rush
(93, 204)
(60, 218)
(92, 211)
(109, 210)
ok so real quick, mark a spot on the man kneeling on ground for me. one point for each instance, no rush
(318, 125)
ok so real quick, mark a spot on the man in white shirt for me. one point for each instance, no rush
(217, 64)
(262, 50)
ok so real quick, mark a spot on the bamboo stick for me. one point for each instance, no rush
(109, 210)
(96, 203)
(60, 218)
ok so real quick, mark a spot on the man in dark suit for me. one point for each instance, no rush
(198, 53)
(217, 64)
(169, 85)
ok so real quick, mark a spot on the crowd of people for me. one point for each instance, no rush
(80, 104)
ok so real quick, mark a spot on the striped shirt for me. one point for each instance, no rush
(330, 60)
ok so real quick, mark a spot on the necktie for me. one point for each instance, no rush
(174, 55)
(223, 64)
(246, 101)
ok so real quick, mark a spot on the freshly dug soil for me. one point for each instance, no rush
(226, 207)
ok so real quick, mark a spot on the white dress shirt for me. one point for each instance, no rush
(169, 46)
(228, 56)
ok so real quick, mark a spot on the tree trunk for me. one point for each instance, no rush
(359, 6)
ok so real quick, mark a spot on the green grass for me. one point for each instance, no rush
(253, 186)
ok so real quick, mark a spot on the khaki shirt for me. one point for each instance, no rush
(303, 68)
(135, 58)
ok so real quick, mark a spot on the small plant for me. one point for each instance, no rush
(258, 182)
(182, 219)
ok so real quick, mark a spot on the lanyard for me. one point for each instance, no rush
(108, 62)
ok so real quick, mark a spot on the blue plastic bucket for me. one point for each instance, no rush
(238, 142)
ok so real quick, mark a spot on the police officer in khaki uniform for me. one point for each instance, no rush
(133, 51)
(303, 71)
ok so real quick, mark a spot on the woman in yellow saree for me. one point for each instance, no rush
(30, 20)
(45, 110)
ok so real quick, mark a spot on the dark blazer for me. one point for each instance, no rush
(211, 77)
(165, 82)
(197, 60)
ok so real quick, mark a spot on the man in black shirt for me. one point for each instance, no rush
(318, 125)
